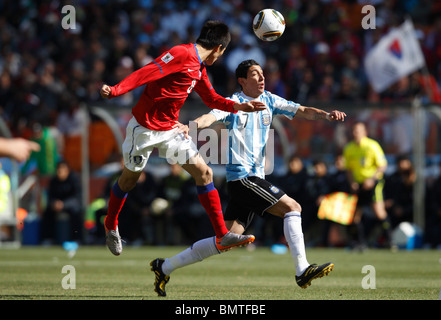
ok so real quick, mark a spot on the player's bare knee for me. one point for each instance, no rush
(206, 175)
(126, 185)
(293, 205)
(127, 182)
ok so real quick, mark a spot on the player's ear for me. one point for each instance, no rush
(241, 81)
(219, 48)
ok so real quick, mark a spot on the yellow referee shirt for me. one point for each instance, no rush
(363, 160)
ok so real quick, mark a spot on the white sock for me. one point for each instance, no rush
(199, 251)
(292, 227)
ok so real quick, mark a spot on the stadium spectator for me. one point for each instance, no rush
(398, 191)
(47, 158)
(70, 120)
(317, 186)
(327, 89)
(305, 89)
(273, 78)
(62, 219)
(338, 182)
(338, 178)
(294, 181)
(187, 213)
(173, 184)
(433, 216)
(174, 189)
(138, 222)
(247, 48)
(345, 42)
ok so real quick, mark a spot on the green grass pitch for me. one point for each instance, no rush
(35, 273)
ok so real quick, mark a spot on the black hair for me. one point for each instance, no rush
(242, 68)
(214, 33)
(62, 163)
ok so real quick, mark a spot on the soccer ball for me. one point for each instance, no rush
(269, 25)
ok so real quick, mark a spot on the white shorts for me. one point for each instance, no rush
(140, 142)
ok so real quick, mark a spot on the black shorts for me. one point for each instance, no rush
(249, 196)
(367, 197)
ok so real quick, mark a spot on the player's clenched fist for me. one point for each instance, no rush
(105, 91)
(336, 116)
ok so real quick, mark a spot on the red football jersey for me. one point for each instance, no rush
(170, 78)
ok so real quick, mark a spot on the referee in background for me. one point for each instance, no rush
(365, 166)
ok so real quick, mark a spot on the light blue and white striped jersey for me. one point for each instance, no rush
(248, 133)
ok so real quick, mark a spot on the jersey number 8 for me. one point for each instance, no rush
(193, 83)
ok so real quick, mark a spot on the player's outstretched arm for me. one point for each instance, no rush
(157, 69)
(205, 120)
(250, 106)
(202, 122)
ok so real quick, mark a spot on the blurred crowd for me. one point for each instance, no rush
(46, 72)
(310, 181)
(166, 210)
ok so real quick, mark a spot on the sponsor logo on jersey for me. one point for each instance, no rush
(266, 119)
(167, 57)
